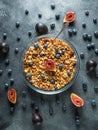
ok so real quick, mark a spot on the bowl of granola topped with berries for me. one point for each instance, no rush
(50, 66)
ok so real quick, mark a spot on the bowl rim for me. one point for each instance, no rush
(57, 91)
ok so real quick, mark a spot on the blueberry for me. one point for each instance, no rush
(60, 66)
(57, 56)
(96, 74)
(36, 109)
(89, 46)
(96, 89)
(70, 32)
(16, 50)
(36, 45)
(7, 62)
(50, 111)
(24, 106)
(24, 93)
(96, 34)
(39, 15)
(26, 12)
(9, 71)
(31, 64)
(45, 45)
(89, 37)
(6, 85)
(42, 76)
(86, 12)
(74, 31)
(84, 86)
(96, 51)
(77, 122)
(29, 75)
(52, 81)
(84, 25)
(32, 103)
(93, 45)
(93, 102)
(11, 110)
(85, 36)
(17, 24)
(63, 52)
(4, 48)
(94, 20)
(68, 72)
(4, 36)
(29, 33)
(64, 107)
(52, 6)
(77, 117)
(52, 26)
(82, 55)
(57, 16)
(1, 71)
(11, 81)
(18, 38)
(41, 54)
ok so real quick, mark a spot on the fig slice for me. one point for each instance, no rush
(69, 17)
(12, 96)
(49, 64)
(76, 100)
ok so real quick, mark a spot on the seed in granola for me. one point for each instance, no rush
(52, 81)
(68, 72)
(45, 45)
(31, 64)
(29, 75)
(42, 76)
(36, 45)
(56, 49)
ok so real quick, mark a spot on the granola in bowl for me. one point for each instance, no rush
(49, 64)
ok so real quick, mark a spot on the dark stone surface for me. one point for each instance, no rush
(14, 11)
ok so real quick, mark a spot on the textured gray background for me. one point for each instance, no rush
(12, 11)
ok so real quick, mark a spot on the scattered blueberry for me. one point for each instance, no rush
(4, 36)
(77, 117)
(89, 37)
(26, 12)
(86, 12)
(63, 52)
(52, 81)
(1, 71)
(41, 54)
(57, 56)
(96, 34)
(84, 86)
(89, 46)
(93, 102)
(93, 45)
(29, 75)
(11, 110)
(36, 109)
(39, 15)
(45, 45)
(68, 72)
(52, 6)
(64, 107)
(32, 103)
(57, 16)
(9, 72)
(96, 89)
(70, 32)
(74, 31)
(24, 93)
(31, 64)
(42, 100)
(60, 66)
(42, 76)
(94, 20)
(6, 85)
(16, 50)
(96, 74)
(11, 81)
(84, 25)
(96, 51)
(57, 99)
(82, 55)
(17, 24)
(7, 62)
(18, 38)
(85, 36)
(52, 26)
(77, 122)
(24, 106)
(29, 33)
(4, 48)
(36, 45)
(50, 111)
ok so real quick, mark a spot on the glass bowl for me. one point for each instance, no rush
(56, 91)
